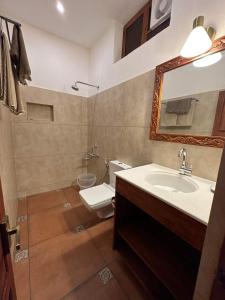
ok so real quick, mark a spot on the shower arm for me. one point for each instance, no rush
(81, 82)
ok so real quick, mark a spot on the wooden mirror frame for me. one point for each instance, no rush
(210, 141)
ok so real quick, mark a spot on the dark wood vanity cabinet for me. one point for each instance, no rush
(161, 245)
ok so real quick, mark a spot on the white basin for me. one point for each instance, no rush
(191, 195)
(171, 182)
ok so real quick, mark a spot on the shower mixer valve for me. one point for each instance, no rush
(93, 153)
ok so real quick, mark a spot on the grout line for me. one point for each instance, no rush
(49, 154)
(28, 241)
(95, 245)
(105, 263)
(119, 284)
(48, 208)
(52, 237)
(89, 278)
(86, 281)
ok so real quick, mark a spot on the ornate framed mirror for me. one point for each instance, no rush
(189, 99)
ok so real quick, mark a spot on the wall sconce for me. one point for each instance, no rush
(199, 40)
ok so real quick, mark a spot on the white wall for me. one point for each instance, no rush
(55, 62)
(161, 48)
(104, 53)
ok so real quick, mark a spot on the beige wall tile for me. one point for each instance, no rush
(91, 109)
(84, 102)
(71, 139)
(33, 139)
(137, 95)
(69, 113)
(116, 110)
(84, 137)
(41, 96)
(45, 150)
(120, 126)
(73, 165)
(103, 109)
(7, 166)
(117, 120)
(38, 171)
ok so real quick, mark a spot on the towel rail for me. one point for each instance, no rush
(193, 99)
(10, 20)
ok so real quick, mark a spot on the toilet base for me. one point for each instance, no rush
(105, 212)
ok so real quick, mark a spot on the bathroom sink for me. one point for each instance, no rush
(189, 194)
(171, 182)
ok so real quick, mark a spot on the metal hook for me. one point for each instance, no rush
(1, 27)
(7, 27)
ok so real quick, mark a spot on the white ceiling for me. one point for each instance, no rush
(84, 21)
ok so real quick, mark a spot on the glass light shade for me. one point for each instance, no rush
(198, 42)
(208, 60)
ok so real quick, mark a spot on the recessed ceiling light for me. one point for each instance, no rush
(208, 60)
(60, 7)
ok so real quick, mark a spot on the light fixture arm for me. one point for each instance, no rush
(199, 21)
(211, 32)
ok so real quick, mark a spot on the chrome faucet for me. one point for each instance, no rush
(93, 153)
(185, 169)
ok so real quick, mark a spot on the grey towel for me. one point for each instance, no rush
(19, 56)
(167, 120)
(186, 120)
(179, 107)
(9, 87)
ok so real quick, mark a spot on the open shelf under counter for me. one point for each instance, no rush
(171, 260)
(153, 288)
(154, 242)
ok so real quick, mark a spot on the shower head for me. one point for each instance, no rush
(75, 87)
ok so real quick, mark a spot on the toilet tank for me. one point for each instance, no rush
(115, 166)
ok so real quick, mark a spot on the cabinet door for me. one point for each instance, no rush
(219, 284)
(219, 123)
(7, 285)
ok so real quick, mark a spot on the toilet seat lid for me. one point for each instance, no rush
(98, 195)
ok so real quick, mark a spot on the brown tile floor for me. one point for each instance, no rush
(64, 262)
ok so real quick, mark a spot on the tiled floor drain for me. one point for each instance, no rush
(21, 255)
(105, 275)
(21, 219)
(67, 205)
(79, 228)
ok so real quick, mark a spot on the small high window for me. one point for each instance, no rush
(146, 24)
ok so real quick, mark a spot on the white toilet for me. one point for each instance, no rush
(99, 198)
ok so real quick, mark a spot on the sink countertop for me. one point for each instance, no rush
(196, 204)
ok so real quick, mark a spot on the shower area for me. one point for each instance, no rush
(50, 140)
(45, 148)
(42, 152)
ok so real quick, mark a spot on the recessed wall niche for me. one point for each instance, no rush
(40, 112)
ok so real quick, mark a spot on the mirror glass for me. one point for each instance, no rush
(192, 97)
